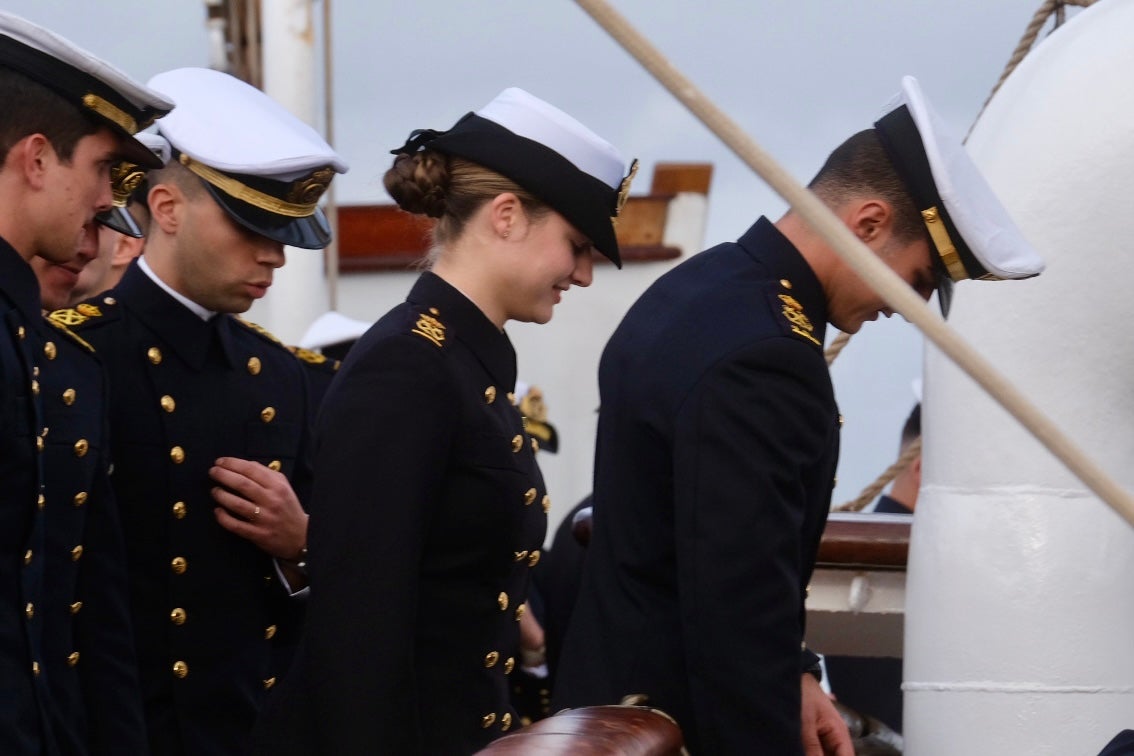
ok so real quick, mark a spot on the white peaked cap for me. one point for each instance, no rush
(530, 117)
(988, 236)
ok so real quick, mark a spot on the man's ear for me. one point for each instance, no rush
(31, 157)
(869, 218)
(166, 203)
(126, 248)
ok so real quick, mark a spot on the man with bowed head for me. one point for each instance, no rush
(67, 118)
(718, 441)
(209, 413)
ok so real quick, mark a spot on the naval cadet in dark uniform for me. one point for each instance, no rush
(429, 509)
(718, 441)
(88, 657)
(67, 115)
(208, 412)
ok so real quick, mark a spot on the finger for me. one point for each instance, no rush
(246, 510)
(235, 524)
(237, 482)
(261, 474)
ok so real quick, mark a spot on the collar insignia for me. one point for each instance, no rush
(430, 328)
(800, 323)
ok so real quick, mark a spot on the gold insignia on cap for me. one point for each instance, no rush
(624, 187)
(124, 179)
(946, 250)
(300, 203)
(308, 190)
(110, 112)
(800, 323)
(430, 328)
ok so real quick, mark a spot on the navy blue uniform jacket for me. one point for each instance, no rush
(428, 514)
(207, 605)
(716, 454)
(88, 641)
(24, 696)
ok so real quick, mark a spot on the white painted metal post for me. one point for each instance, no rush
(1019, 613)
(291, 72)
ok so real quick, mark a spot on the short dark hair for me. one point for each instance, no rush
(31, 108)
(912, 428)
(860, 165)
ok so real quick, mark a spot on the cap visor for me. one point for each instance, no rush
(944, 293)
(310, 232)
(138, 153)
(120, 220)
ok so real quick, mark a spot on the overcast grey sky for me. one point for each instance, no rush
(798, 75)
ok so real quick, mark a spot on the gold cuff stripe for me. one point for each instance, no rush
(245, 193)
(944, 245)
(111, 112)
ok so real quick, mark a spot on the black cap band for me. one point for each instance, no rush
(586, 202)
(87, 93)
(902, 141)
